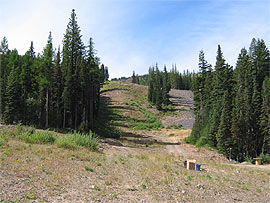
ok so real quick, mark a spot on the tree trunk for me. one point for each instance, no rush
(64, 119)
(47, 108)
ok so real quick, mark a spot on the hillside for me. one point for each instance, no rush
(145, 164)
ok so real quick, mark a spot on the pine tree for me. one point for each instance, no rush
(133, 77)
(157, 89)
(151, 84)
(240, 132)
(106, 73)
(165, 88)
(45, 76)
(29, 86)
(102, 68)
(72, 61)
(12, 110)
(265, 117)
(219, 83)
(4, 72)
(224, 138)
(57, 91)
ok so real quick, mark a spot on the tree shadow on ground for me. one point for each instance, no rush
(110, 90)
(143, 139)
(103, 125)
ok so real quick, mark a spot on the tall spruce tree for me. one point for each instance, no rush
(45, 80)
(12, 109)
(224, 138)
(57, 88)
(4, 72)
(72, 62)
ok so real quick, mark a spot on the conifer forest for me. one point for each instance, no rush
(232, 106)
(57, 88)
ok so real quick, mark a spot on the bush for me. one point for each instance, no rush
(72, 141)
(249, 160)
(265, 158)
(202, 141)
(40, 137)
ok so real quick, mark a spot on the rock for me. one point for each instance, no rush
(200, 186)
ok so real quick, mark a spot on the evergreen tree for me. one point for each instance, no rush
(240, 132)
(29, 86)
(106, 73)
(4, 72)
(157, 89)
(72, 61)
(133, 77)
(165, 88)
(224, 138)
(265, 117)
(12, 110)
(150, 84)
(57, 91)
(45, 76)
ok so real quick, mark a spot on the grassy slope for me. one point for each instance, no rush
(139, 170)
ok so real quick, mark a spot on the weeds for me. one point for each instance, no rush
(89, 169)
(179, 127)
(40, 137)
(75, 140)
(3, 138)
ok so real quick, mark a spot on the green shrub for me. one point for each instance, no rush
(249, 159)
(40, 137)
(265, 158)
(202, 141)
(190, 140)
(72, 141)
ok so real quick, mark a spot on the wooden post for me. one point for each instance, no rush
(258, 161)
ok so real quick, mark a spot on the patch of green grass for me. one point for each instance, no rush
(189, 178)
(99, 164)
(143, 186)
(97, 188)
(3, 138)
(107, 182)
(47, 172)
(40, 137)
(114, 195)
(150, 122)
(21, 129)
(89, 169)
(72, 141)
(179, 127)
(31, 195)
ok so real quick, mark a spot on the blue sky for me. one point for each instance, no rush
(133, 35)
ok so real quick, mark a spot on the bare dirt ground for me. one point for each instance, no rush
(182, 100)
(143, 165)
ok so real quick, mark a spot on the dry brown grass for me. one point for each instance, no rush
(137, 167)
